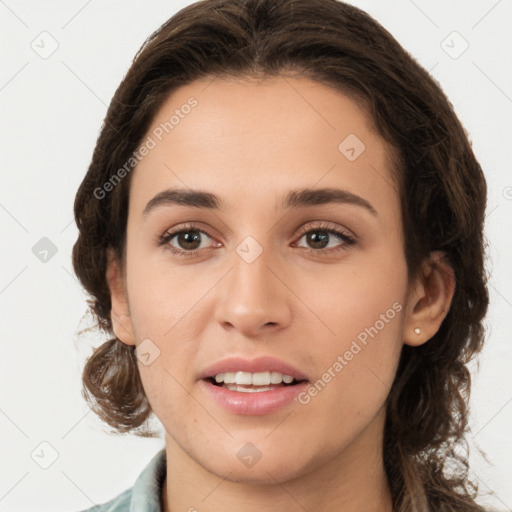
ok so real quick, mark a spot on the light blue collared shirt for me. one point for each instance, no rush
(144, 495)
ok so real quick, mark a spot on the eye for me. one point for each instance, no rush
(188, 240)
(326, 239)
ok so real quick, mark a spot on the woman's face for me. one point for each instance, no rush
(266, 275)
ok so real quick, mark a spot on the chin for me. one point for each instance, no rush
(271, 471)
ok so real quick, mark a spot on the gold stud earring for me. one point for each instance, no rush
(417, 330)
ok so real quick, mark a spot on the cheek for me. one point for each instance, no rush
(349, 298)
(358, 336)
(162, 295)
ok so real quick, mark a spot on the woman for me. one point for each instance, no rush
(282, 229)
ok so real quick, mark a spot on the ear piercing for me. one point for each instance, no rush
(417, 330)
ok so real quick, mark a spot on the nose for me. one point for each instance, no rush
(252, 298)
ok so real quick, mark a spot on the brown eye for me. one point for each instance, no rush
(185, 241)
(188, 240)
(318, 239)
(325, 239)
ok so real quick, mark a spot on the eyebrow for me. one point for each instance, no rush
(300, 198)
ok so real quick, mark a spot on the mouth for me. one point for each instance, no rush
(264, 397)
(253, 386)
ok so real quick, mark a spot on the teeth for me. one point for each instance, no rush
(253, 379)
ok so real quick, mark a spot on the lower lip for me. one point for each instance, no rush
(257, 403)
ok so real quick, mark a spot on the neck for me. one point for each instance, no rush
(348, 481)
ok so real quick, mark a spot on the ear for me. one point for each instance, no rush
(120, 312)
(429, 300)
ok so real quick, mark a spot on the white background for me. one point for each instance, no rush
(51, 112)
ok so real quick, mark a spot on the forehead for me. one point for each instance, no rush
(245, 135)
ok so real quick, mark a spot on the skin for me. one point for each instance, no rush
(250, 142)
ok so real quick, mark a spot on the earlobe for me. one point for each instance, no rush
(119, 313)
(429, 300)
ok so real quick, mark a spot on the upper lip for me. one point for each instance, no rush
(259, 364)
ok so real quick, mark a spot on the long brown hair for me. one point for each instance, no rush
(441, 185)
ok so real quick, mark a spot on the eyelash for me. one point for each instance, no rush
(166, 237)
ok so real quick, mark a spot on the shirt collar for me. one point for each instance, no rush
(147, 489)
